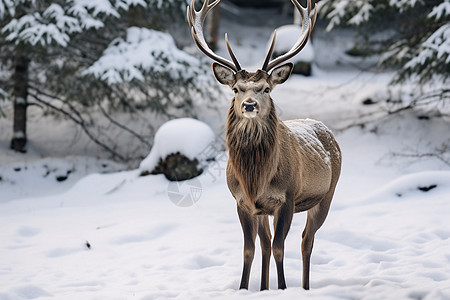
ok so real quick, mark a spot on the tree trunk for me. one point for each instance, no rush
(20, 94)
(213, 28)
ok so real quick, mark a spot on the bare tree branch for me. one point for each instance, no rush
(432, 97)
(78, 119)
(125, 128)
(438, 153)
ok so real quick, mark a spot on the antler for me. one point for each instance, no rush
(196, 20)
(307, 26)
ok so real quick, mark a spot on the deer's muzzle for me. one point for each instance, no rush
(249, 106)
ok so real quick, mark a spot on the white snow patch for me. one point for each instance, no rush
(20, 100)
(306, 132)
(188, 136)
(19, 134)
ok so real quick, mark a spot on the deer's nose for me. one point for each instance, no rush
(249, 105)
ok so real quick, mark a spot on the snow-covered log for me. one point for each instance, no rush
(180, 150)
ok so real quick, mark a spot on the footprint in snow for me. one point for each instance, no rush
(28, 231)
(29, 292)
(58, 252)
(202, 262)
(153, 234)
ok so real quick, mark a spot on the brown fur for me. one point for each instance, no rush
(249, 76)
(252, 146)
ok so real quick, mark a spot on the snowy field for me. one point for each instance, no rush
(70, 231)
(121, 236)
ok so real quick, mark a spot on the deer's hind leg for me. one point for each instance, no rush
(282, 223)
(315, 218)
(265, 239)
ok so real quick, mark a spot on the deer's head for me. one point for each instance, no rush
(252, 90)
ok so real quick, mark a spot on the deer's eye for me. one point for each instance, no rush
(267, 90)
(235, 90)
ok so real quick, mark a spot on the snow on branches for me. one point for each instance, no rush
(440, 11)
(360, 11)
(34, 23)
(417, 33)
(7, 6)
(403, 4)
(143, 50)
(437, 45)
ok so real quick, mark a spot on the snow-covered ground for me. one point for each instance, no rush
(69, 234)
(121, 236)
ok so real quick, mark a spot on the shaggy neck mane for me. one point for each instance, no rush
(252, 146)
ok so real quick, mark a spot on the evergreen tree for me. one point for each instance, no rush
(415, 35)
(75, 56)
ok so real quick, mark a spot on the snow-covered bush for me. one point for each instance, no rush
(180, 150)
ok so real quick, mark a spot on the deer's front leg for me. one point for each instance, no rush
(266, 249)
(249, 223)
(282, 223)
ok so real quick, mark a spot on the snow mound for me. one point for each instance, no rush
(414, 185)
(287, 35)
(187, 136)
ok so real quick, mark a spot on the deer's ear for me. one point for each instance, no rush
(281, 73)
(223, 74)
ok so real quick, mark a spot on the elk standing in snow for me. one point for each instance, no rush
(275, 168)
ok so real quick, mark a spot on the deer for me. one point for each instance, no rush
(274, 168)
